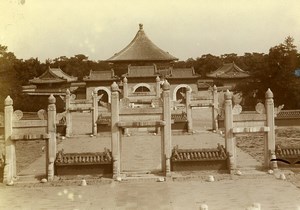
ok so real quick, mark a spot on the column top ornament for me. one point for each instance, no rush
(51, 99)
(228, 95)
(114, 87)
(125, 80)
(8, 101)
(166, 85)
(157, 79)
(269, 94)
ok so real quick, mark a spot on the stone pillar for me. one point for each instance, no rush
(215, 108)
(115, 131)
(270, 137)
(203, 207)
(95, 111)
(10, 152)
(229, 138)
(125, 88)
(157, 87)
(51, 143)
(188, 93)
(166, 135)
(68, 114)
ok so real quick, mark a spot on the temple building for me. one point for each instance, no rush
(228, 75)
(52, 81)
(100, 81)
(142, 63)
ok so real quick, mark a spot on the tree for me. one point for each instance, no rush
(277, 73)
(280, 76)
(9, 85)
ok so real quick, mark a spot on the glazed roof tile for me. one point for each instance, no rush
(141, 48)
(228, 70)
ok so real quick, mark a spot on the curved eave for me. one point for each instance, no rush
(95, 80)
(228, 77)
(187, 77)
(34, 81)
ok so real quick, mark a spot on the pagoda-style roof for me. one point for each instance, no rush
(141, 71)
(229, 71)
(141, 48)
(53, 75)
(101, 76)
(182, 73)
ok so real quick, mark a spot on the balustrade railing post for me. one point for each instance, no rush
(10, 153)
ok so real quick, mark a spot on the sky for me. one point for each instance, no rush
(185, 28)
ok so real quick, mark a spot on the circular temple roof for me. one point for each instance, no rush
(141, 48)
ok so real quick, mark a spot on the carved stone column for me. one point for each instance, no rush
(188, 93)
(115, 131)
(68, 114)
(270, 137)
(166, 135)
(10, 154)
(125, 88)
(51, 143)
(215, 108)
(95, 111)
(229, 138)
(157, 86)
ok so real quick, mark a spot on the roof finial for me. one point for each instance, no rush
(141, 26)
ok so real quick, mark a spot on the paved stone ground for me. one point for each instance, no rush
(227, 192)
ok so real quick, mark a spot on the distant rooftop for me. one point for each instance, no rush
(53, 75)
(141, 48)
(152, 71)
(101, 76)
(184, 73)
(228, 71)
(141, 71)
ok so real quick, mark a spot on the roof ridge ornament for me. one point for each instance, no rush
(141, 26)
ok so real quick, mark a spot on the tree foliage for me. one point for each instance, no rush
(274, 70)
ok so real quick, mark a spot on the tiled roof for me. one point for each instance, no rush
(164, 72)
(228, 70)
(218, 153)
(101, 76)
(53, 75)
(141, 71)
(182, 73)
(83, 158)
(141, 48)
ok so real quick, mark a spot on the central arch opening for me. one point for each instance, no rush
(102, 94)
(181, 94)
(142, 89)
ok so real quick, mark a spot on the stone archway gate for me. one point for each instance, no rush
(260, 121)
(16, 129)
(123, 116)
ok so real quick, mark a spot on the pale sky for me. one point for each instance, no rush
(184, 28)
